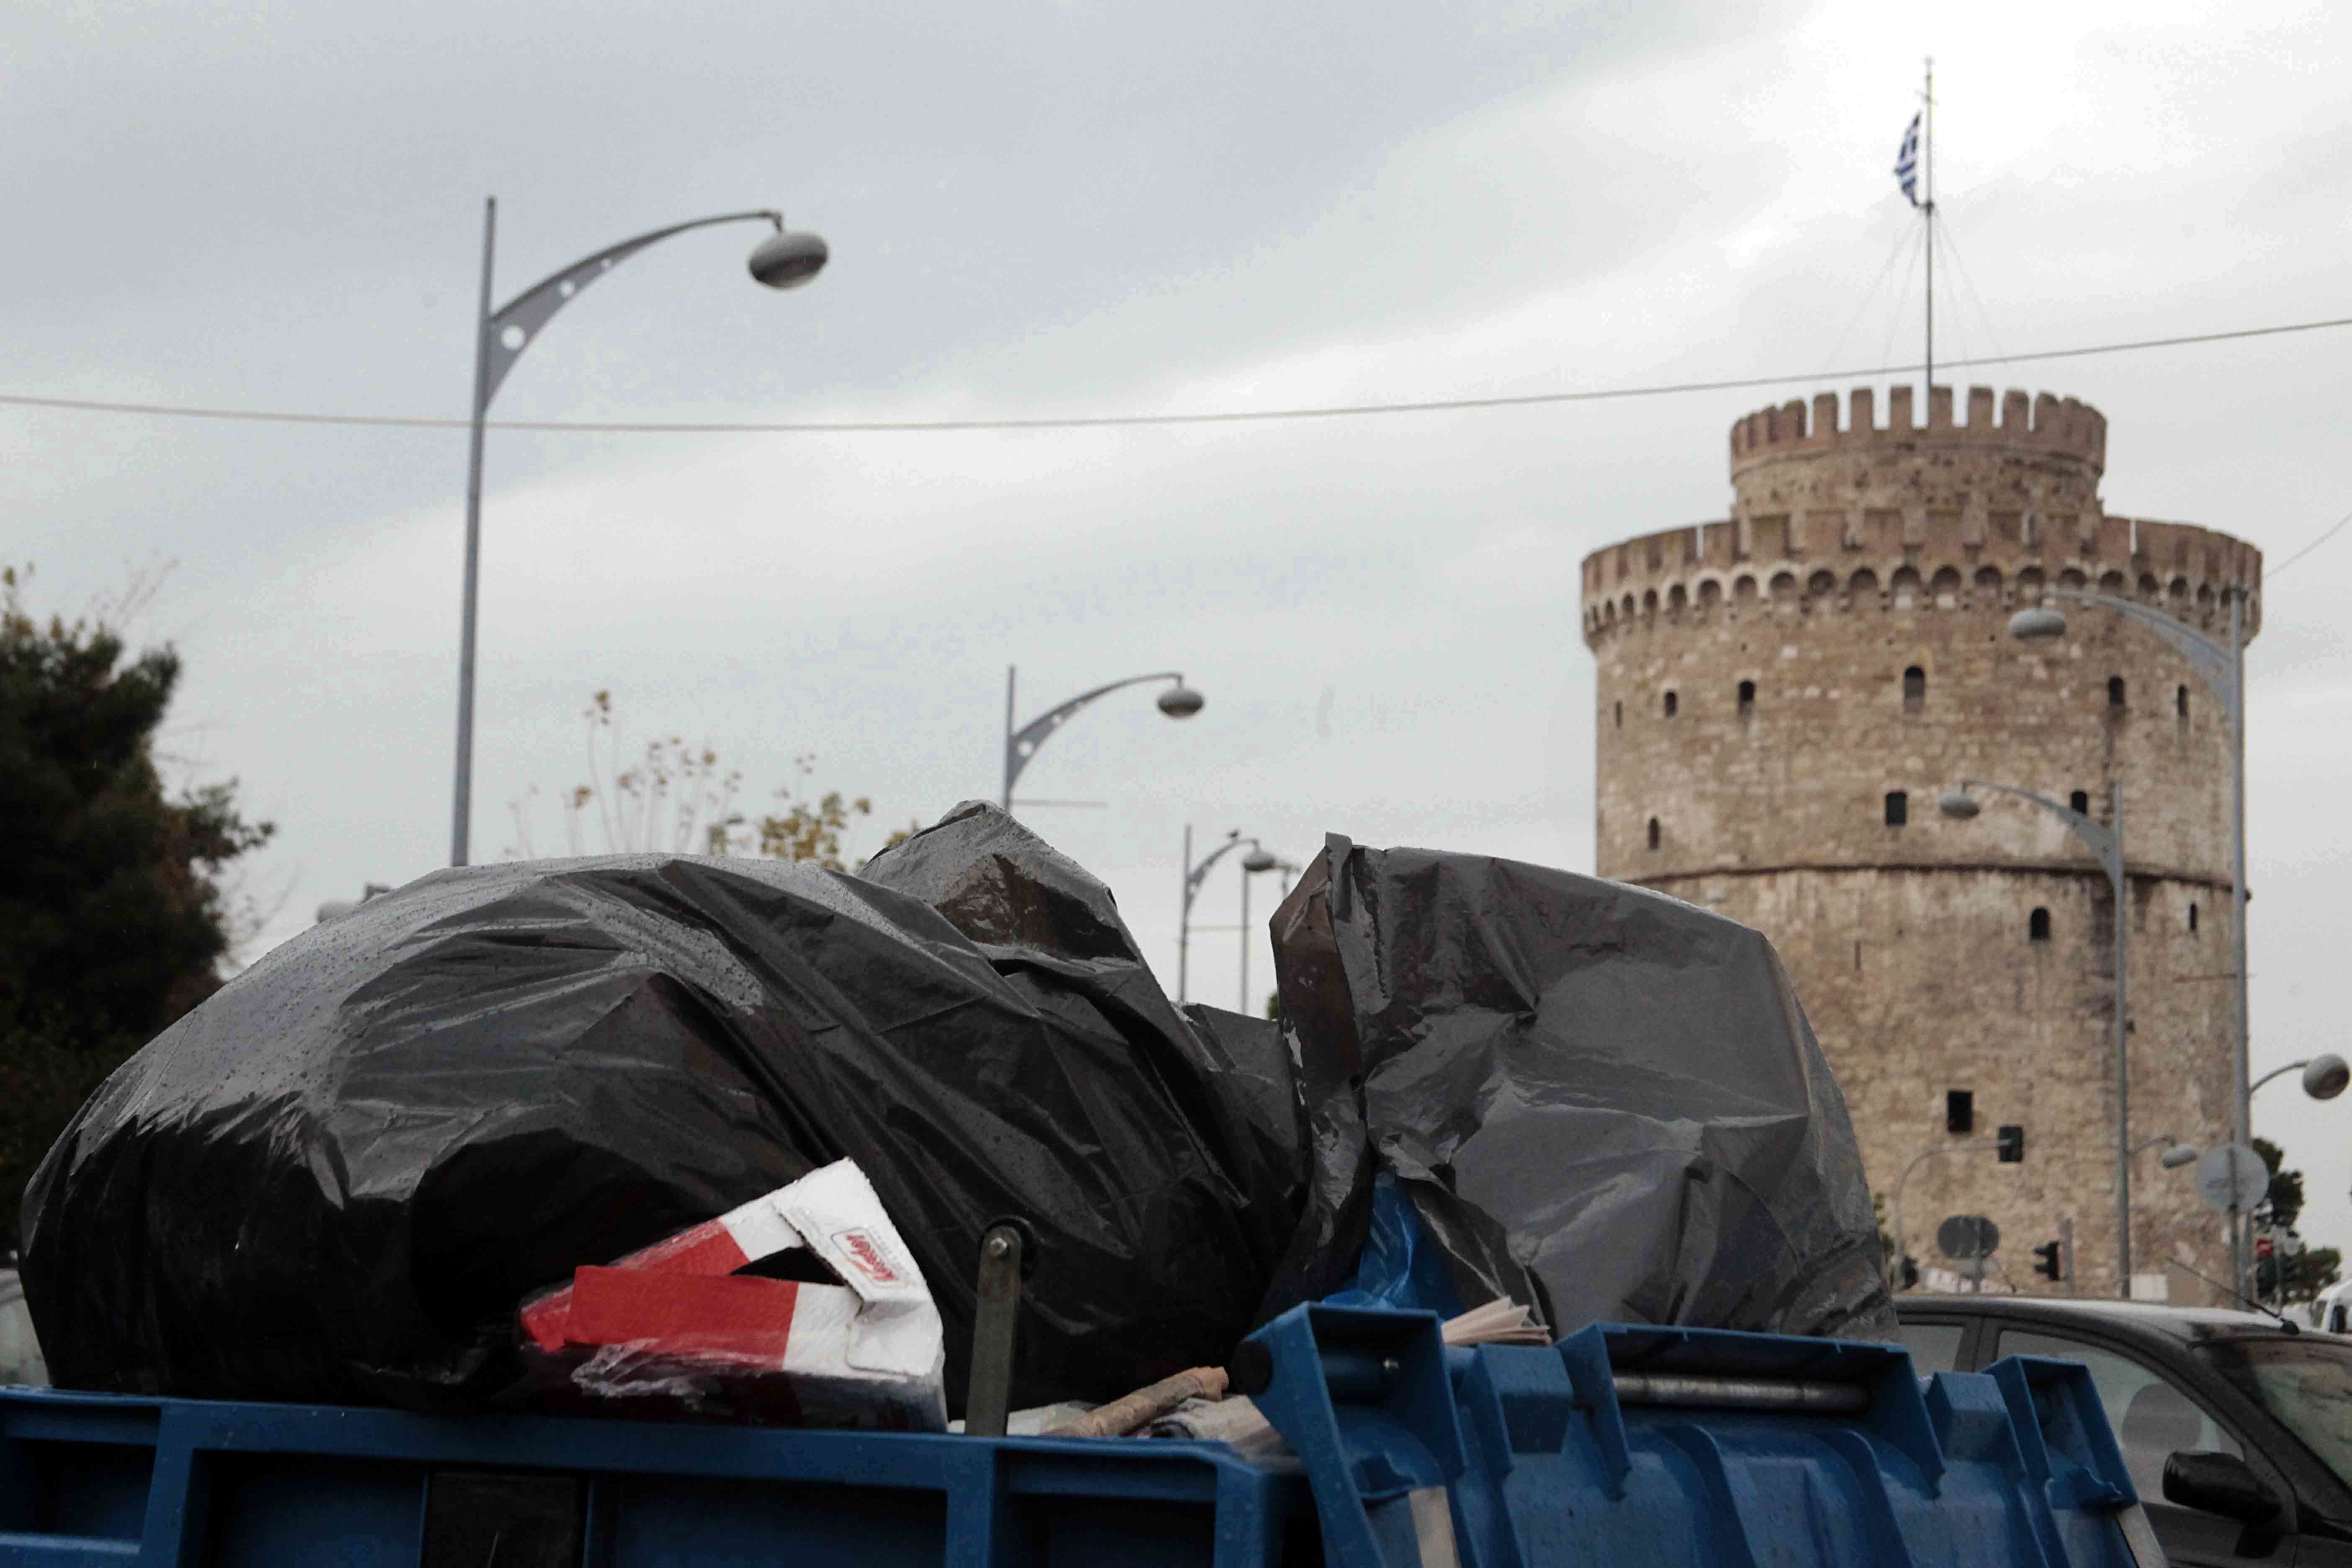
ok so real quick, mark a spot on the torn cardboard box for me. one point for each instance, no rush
(677, 1326)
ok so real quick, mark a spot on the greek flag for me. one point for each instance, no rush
(1906, 162)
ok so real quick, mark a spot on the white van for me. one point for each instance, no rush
(2331, 1312)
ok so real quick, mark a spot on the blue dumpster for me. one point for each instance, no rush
(1619, 1445)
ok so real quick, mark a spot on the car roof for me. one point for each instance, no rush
(2181, 1325)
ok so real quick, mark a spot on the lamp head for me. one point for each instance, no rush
(788, 258)
(1958, 805)
(1181, 702)
(1259, 859)
(2180, 1155)
(2327, 1076)
(2037, 623)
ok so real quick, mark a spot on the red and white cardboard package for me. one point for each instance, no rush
(675, 1327)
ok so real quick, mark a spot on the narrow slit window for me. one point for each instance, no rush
(1747, 697)
(1654, 833)
(1898, 808)
(2192, 919)
(2115, 692)
(1915, 689)
(1621, 715)
(1671, 703)
(2037, 925)
(2180, 701)
(2080, 801)
(1960, 1110)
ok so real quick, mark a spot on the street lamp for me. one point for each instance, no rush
(2176, 1153)
(786, 259)
(2107, 843)
(1194, 876)
(2324, 1076)
(1178, 701)
(2224, 669)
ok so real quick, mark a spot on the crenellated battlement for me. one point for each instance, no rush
(1910, 516)
(1936, 560)
(2042, 425)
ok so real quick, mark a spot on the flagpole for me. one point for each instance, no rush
(1927, 212)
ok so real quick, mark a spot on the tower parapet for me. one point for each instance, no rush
(2043, 423)
(1941, 516)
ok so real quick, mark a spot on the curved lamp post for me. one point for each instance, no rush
(2107, 843)
(2224, 669)
(1178, 701)
(786, 259)
(2176, 1153)
(2324, 1076)
(1255, 864)
(1902, 1180)
(1194, 875)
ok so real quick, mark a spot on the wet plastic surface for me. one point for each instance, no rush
(1601, 1100)
(335, 1179)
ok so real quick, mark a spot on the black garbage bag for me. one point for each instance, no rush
(335, 1180)
(1602, 1101)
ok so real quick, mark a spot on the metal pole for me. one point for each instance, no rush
(2244, 1093)
(1928, 213)
(1244, 1006)
(2121, 878)
(1006, 799)
(2225, 669)
(1895, 1274)
(1185, 919)
(461, 812)
(2066, 1254)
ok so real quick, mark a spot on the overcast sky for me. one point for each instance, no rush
(1045, 209)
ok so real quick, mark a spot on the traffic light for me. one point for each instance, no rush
(1908, 1272)
(2050, 1260)
(2009, 1143)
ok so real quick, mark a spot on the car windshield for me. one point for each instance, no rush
(2306, 1382)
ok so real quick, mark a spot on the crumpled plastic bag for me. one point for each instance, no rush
(1602, 1101)
(336, 1178)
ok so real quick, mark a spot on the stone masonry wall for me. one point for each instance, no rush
(1766, 683)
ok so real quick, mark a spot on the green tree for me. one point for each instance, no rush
(112, 917)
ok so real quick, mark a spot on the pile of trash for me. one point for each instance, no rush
(723, 1136)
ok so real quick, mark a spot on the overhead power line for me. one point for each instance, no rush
(2271, 573)
(1112, 421)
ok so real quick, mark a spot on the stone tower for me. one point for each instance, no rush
(1783, 697)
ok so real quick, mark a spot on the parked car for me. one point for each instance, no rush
(2236, 1429)
(20, 1356)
